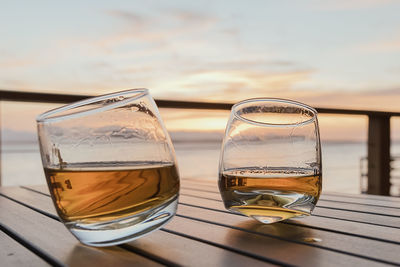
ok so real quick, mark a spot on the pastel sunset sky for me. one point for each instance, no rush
(342, 53)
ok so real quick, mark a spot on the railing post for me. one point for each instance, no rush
(1, 144)
(379, 155)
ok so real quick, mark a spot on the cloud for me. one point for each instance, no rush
(12, 59)
(16, 63)
(191, 17)
(379, 99)
(340, 5)
(158, 27)
(244, 64)
(233, 85)
(254, 80)
(141, 48)
(187, 17)
(386, 46)
(130, 17)
(384, 92)
(16, 84)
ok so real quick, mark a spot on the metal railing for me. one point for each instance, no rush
(394, 175)
(378, 129)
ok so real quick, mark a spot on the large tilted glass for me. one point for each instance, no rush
(110, 167)
(270, 165)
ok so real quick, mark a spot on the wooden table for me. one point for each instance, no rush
(345, 230)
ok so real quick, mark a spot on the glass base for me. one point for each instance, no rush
(123, 230)
(268, 215)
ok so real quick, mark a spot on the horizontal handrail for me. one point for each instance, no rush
(6, 95)
(378, 128)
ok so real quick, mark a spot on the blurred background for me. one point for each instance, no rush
(332, 54)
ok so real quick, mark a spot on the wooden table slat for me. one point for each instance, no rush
(345, 227)
(391, 206)
(319, 211)
(354, 207)
(357, 217)
(384, 200)
(328, 240)
(43, 189)
(188, 252)
(51, 236)
(267, 247)
(13, 253)
(360, 229)
(390, 255)
(203, 227)
(169, 247)
(370, 202)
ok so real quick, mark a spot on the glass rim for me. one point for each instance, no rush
(51, 115)
(312, 110)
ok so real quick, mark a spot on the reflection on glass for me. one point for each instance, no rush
(110, 167)
(270, 165)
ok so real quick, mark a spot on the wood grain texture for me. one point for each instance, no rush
(393, 202)
(14, 254)
(327, 240)
(344, 225)
(330, 249)
(51, 236)
(39, 188)
(314, 222)
(173, 248)
(336, 203)
(263, 246)
(386, 199)
(368, 200)
(364, 201)
(189, 252)
(211, 182)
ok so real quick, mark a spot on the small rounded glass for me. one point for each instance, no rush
(270, 163)
(110, 167)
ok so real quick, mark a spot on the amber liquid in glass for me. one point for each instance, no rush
(270, 196)
(90, 195)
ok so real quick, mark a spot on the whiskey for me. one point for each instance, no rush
(270, 196)
(101, 194)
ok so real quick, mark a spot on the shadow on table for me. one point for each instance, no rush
(274, 242)
(281, 230)
(103, 256)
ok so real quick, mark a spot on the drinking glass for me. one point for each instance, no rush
(110, 167)
(270, 164)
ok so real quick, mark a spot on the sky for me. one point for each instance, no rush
(342, 53)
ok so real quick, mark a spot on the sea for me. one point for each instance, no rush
(342, 163)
